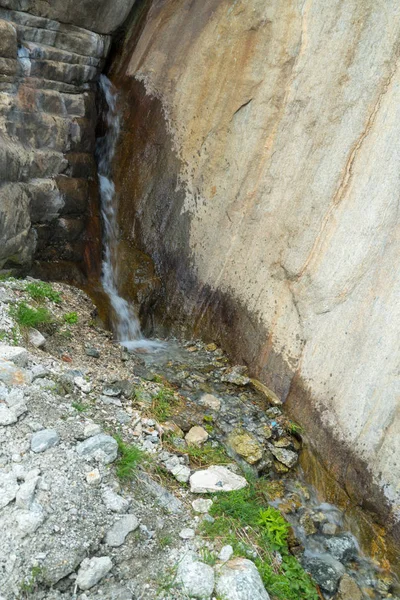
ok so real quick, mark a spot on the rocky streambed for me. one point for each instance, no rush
(167, 475)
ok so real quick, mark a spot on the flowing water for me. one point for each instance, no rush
(124, 320)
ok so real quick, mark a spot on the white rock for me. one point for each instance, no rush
(83, 385)
(93, 477)
(92, 571)
(201, 505)
(8, 488)
(216, 479)
(116, 535)
(26, 493)
(14, 354)
(101, 447)
(225, 553)
(29, 521)
(172, 462)
(196, 436)
(91, 429)
(36, 338)
(239, 579)
(187, 533)
(114, 502)
(7, 416)
(44, 439)
(181, 473)
(196, 578)
(210, 401)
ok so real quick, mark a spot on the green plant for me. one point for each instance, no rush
(3, 334)
(129, 457)
(208, 557)
(295, 427)
(71, 318)
(7, 276)
(166, 582)
(26, 316)
(15, 335)
(30, 584)
(165, 540)
(275, 527)
(163, 403)
(79, 406)
(39, 290)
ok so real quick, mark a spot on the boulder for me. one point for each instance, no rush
(196, 578)
(216, 479)
(196, 436)
(246, 446)
(325, 570)
(348, 589)
(239, 579)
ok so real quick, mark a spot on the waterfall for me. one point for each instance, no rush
(124, 321)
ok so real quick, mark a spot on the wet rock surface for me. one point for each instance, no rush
(99, 500)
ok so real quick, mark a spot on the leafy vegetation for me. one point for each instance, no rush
(252, 528)
(163, 403)
(29, 585)
(41, 290)
(26, 316)
(79, 406)
(71, 318)
(129, 458)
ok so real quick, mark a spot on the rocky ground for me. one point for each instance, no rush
(142, 476)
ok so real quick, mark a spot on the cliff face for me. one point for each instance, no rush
(259, 166)
(48, 182)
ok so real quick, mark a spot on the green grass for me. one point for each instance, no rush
(129, 458)
(26, 316)
(165, 540)
(30, 585)
(71, 318)
(79, 406)
(245, 521)
(208, 557)
(163, 404)
(206, 455)
(40, 291)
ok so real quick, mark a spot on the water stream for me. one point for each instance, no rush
(124, 320)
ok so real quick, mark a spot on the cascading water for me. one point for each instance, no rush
(125, 323)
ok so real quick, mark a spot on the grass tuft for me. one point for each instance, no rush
(71, 318)
(129, 458)
(27, 316)
(40, 291)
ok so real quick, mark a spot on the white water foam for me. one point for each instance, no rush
(125, 322)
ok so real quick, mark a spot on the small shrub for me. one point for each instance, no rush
(79, 406)
(275, 527)
(71, 318)
(29, 317)
(40, 291)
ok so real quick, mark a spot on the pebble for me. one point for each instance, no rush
(216, 479)
(202, 505)
(187, 533)
(114, 502)
(101, 447)
(91, 429)
(36, 338)
(92, 571)
(8, 488)
(83, 385)
(93, 477)
(116, 535)
(196, 578)
(44, 439)
(181, 473)
(196, 436)
(239, 579)
(93, 352)
(226, 553)
(26, 493)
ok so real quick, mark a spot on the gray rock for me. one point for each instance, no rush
(112, 390)
(101, 447)
(14, 354)
(167, 500)
(187, 533)
(12, 375)
(226, 553)
(7, 416)
(181, 473)
(28, 521)
(211, 402)
(43, 440)
(348, 589)
(83, 385)
(115, 502)
(116, 535)
(26, 493)
(91, 429)
(286, 457)
(326, 571)
(36, 338)
(216, 479)
(239, 579)
(196, 578)
(342, 547)
(93, 352)
(329, 529)
(202, 505)
(92, 570)
(8, 488)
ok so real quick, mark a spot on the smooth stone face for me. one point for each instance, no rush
(344, 547)
(44, 439)
(348, 589)
(92, 571)
(216, 479)
(14, 354)
(116, 535)
(36, 338)
(196, 578)
(202, 505)
(239, 580)
(326, 571)
(181, 473)
(115, 502)
(8, 488)
(246, 446)
(101, 447)
(211, 402)
(196, 436)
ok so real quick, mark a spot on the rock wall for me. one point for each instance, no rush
(48, 180)
(259, 165)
